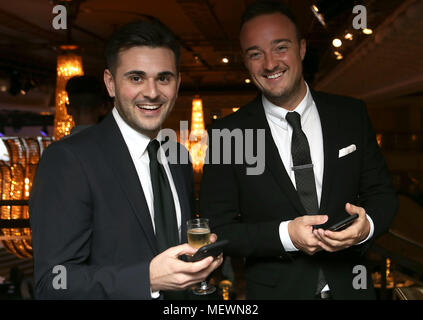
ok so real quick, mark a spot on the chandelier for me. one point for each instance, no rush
(16, 176)
(197, 145)
(68, 65)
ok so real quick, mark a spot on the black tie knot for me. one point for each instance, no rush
(294, 119)
(152, 149)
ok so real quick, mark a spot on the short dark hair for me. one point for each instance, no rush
(263, 7)
(85, 92)
(152, 34)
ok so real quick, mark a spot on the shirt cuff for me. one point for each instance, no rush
(155, 294)
(285, 238)
(372, 229)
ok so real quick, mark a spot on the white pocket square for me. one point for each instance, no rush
(347, 150)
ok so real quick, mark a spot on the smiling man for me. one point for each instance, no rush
(105, 204)
(322, 164)
(144, 110)
(274, 58)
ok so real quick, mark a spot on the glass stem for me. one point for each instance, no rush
(204, 285)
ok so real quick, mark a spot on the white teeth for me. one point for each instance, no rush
(274, 76)
(148, 106)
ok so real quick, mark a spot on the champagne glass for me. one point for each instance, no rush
(198, 232)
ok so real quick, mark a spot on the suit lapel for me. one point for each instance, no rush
(273, 160)
(329, 123)
(117, 155)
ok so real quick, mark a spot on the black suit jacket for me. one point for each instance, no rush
(248, 209)
(88, 213)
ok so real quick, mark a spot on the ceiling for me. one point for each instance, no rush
(208, 31)
(386, 66)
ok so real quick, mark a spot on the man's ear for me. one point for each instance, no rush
(303, 46)
(109, 82)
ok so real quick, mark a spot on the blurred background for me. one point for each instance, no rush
(381, 65)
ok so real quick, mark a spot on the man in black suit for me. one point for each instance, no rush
(108, 212)
(321, 163)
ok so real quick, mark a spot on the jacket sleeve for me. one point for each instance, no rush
(376, 193)
(61, 207)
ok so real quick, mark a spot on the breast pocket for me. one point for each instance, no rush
(348, 168)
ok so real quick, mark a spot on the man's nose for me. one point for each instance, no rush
(270, 63)
(151, 90)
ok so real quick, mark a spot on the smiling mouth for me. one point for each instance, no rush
(274, 75)
(149, 107)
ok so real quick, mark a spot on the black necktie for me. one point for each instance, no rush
(304, 175)
(303, 167)
(164, 207)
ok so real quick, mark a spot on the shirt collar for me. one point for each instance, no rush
(137, 142)
(277, 114)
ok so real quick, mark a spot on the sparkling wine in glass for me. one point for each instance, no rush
(198, 232)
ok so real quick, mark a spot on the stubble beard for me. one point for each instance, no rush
(286, 96)
(129, 115)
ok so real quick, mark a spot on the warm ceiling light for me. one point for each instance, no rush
(68, 66)
(338, 55)
(225, 60)
(367, 31)
(318, 15)
(247, 80)
(235, 109)
(336, 43)
(348, 36)
(68, 47)
(379, 137)
(198, 146)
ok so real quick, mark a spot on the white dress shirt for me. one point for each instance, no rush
(137, 144)
(282, 134)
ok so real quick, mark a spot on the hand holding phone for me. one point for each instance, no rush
(342, 225)
(356, 225)
(212, 249)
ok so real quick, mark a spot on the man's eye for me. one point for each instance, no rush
(163, 79)
(254, 55)
(281, 48)
(135, 78)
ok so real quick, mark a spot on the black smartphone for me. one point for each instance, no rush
(344, 223)
(212, 249)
